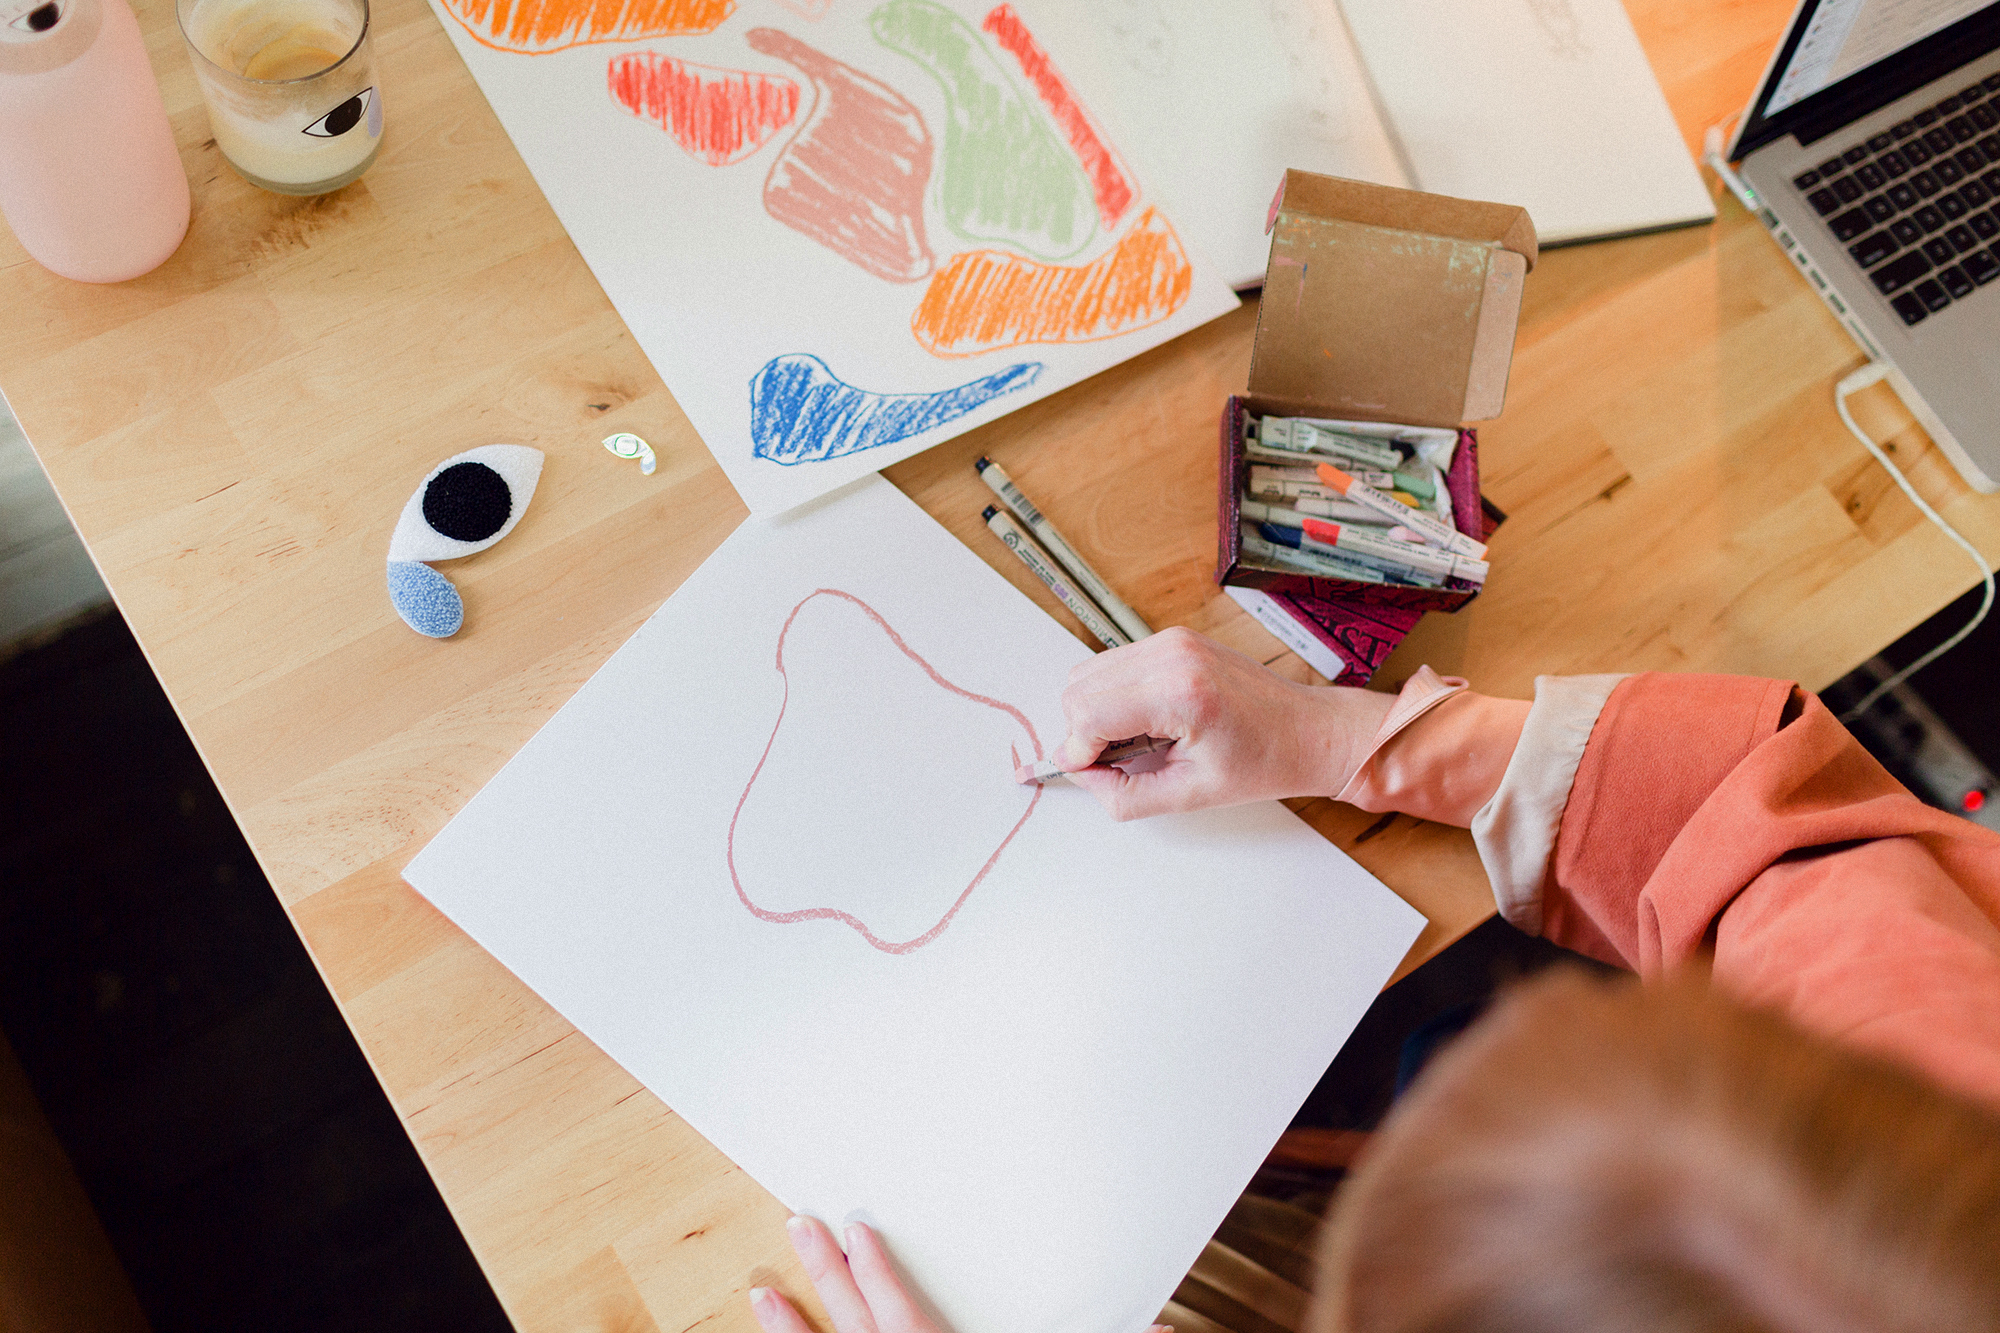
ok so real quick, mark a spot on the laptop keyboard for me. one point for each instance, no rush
(1918, 205)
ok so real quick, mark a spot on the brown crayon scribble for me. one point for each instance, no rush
(984, 300)
(853, 177)
(537, 27)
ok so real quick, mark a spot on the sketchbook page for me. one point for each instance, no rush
(1548, 104)
(773, 859)
(842, 233)
(1215, 101)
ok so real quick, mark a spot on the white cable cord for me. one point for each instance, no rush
(1873, 373)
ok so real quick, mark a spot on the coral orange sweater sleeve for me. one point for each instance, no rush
(1737, 815)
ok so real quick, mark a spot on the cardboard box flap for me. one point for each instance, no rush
(1386, 304)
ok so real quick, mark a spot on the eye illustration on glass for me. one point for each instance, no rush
(467, 503)
(39, 20)
(347, 115)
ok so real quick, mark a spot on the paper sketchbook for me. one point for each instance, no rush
(772, 858)
(842, 232)
(1547, 104)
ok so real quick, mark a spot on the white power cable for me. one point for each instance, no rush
(1873, 373)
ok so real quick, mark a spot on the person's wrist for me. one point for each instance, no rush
(1343, 723)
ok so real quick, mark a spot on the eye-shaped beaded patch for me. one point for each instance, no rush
(466, 504)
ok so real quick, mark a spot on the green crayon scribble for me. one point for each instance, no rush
(1006, 176)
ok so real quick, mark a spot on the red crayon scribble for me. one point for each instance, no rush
(984, 300)
(1111, 183)
(853, 177)
(537, 27)
(834, 913)
(718, 115)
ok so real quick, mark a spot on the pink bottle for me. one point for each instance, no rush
(90, 180)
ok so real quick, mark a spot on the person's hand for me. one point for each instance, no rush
(860, 1290)
(1241, 731)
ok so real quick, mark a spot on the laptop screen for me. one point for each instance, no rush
(1841, 59)
(1843, 37)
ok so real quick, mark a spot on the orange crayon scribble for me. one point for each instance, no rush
(718, 115)
(537, 27)
(984, 300)
(1108, 180)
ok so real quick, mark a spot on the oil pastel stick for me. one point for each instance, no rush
(1045, 532)
(1444, 564)
(1045, 568)
(1285, 556)
(1295, 541)
(1304, 437)
(1433, 529)
(1116, 752)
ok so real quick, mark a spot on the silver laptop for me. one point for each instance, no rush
(1873, 143)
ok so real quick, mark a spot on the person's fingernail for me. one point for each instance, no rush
(801, 1233)
(759, 1295)
(760, 1305)
(1077, 752)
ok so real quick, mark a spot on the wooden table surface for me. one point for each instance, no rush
(235, 433)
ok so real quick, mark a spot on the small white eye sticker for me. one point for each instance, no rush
(39, 20)
(466, 504)
(346, 116)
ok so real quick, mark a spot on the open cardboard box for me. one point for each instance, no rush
(1383, 305)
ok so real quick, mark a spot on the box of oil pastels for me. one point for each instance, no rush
(1347, 478)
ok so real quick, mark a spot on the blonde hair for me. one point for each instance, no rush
(1610, 1158)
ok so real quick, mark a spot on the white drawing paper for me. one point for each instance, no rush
(841, 233)
(773, 859)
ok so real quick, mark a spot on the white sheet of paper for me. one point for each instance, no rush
(717, 289)
(1215, 101)
(1045, 1106)
(1548, 104)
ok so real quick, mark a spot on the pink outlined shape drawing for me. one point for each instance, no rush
(834, 913)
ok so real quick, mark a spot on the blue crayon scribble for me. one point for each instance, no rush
(801, 412)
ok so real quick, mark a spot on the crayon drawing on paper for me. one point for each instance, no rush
(843, 230)
(909, 902)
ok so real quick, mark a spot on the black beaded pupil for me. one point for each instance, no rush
(342, 119)
(468, 502)
(44, 18)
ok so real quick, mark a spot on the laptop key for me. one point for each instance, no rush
(1805, 180)
(1893, 163)
(1858, 153)
(1947, 105)
(1984, 116)
(1955, 282)
(1907, 232)
(1903, 129)
(1975, 194)
(1984, 225)
(1849, 191)
(1982, 267)
(1900, 272)
(1938, 140)
(1928, 217)
(1940, 251)
(1951, 206)
(1874, 250)
(1823, 201)
(1916, 152)
(1881, 210)
(1991, 83)
(1971, 160)
(1962, 129)
(1902, 196)
(1925, 117)
(1973, 94)
(1990, 146)
(1880, 141)
(1948, 171)
(1850, 224)
(1933, 295)
(1962, 239)
(1924, 183)
(1832, 167)
(1872, 177)
(1991, 180)
(1910, 308)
